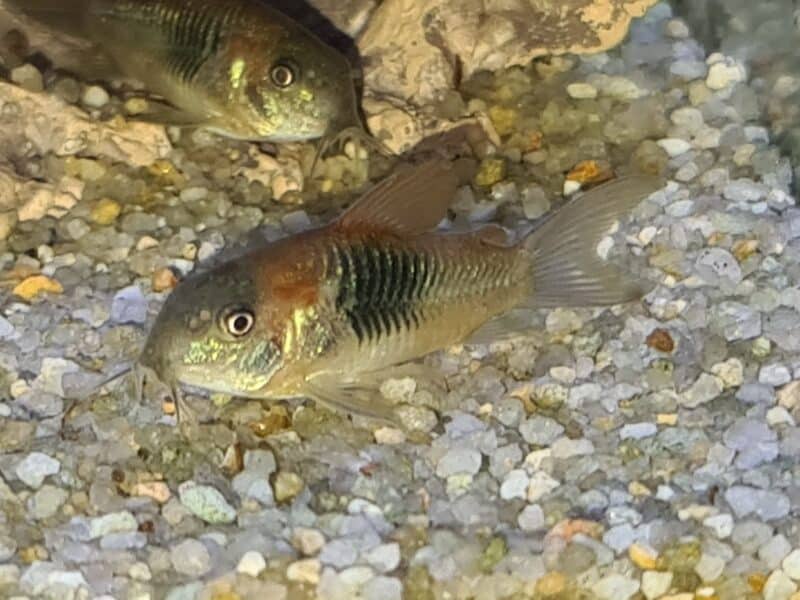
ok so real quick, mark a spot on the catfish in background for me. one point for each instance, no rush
(327, 313)
(236, 67)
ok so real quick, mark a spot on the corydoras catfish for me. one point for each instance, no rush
(322, 314)
(237, 67)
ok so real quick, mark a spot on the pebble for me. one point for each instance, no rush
(382, 588)
(779, 586)
(725, 73)
(515, 485)
(638, 431)
(531, 518)
(304, 571)
(129, 306)
(615, 587)
(791, 564)
(28, 77)
(459, 461)
(541, 484)
(541, 431)
(656, 583)
(774, 375)
(190, 557)
(765, 504)
(721, 525)
(252, 563)
(308, 541)
(582, 91)
(95, 97)
(384, 558)
(705, 389)
(674, 146)
(774, 551)
(206, 503)
(709, 567)
(35, 468)
(119, 522)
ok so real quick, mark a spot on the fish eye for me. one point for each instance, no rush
(282, 75)
(239, 322)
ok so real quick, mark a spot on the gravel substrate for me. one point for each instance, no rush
(645, 451)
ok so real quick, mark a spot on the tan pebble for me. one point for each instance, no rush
(744, 249)
(643, 557)
(106, 211)
(389, 436)
(163, 280)
(304, 571)
(287, 486)
(789, 395)
(551, 584)
(146, 242)
(670, 419)
(157, 490)
(33, 286)
(636, 488)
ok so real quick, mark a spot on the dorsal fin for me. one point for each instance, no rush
(411, 201)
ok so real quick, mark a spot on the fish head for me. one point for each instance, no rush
(301, 89)
(210, 335)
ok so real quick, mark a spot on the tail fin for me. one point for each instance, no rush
(567, 270)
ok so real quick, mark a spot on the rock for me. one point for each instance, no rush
(531, 519)
(35, 468)
(304, 571)
(308, 541)
(46, 502)
(382, 588)
(54, 127)
(754, 440)
(106, 211)
(582, 91)
(791, 564)
(252, 563)
(774, 551)
(191, 558)
(515, 485)
(765, 504)
(457, 461)
(721, 525)
(129, 306)
(540, 486)
(703, 390)
(412, 55)
(120, 522)
(775, 375)
(287, 486)
(715, 264)
(615, 587)
(779, 586)
(28, 77)
(709, 567)
(674, 146)
(384, 558)
(43, 577)
(638, 431)
(725, 73)
(36, 285)
(655, 584)
(206, 503)
(565, 447)
(8, 547)
(540, 431)
(253, 481)
(95, 97)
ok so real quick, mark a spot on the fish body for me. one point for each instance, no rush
(317, 314)
(236, 67)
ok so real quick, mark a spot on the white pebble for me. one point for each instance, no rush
(674, 146)
(95, 97)
(725, 73)
(252, 563)
(582, 91)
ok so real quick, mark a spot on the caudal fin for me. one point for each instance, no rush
(567, 271)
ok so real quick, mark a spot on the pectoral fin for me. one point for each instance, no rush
(350, 397)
